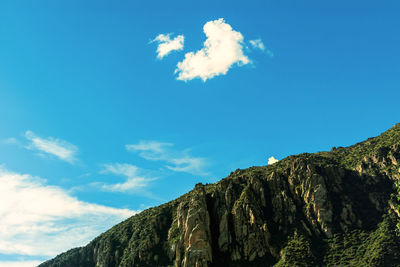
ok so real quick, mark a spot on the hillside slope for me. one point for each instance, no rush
(323, 209)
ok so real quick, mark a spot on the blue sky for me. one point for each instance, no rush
(97, 124)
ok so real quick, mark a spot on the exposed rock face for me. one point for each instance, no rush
(328, 208)
(194, 246)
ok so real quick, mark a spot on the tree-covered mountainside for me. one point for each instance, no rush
(337, 208)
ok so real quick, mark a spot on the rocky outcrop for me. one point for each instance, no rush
(328, 208)
(194, 245)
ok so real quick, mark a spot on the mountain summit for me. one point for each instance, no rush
(324, 209)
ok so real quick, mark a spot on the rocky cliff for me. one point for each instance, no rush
(323, 209)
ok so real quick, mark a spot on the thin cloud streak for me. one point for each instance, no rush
(9, 141)
(52, 146)
(19, 263)
(150, 150)
(179, 161)
(134, 182)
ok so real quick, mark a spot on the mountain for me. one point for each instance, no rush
(323, 209)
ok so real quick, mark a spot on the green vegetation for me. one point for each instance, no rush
(371, 238)
(297, 253)
(360, 248)
(380, 247)
(351, 156)
(395, 201)
(174, 234)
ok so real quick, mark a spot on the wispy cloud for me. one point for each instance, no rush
(150, 150)
(179, 161)
(19, 263)
(52, 146)
(258, 44)
(9, 141)
(41, 220)
(222, 49)
(272, 160)
(166, 45)
(134, 181)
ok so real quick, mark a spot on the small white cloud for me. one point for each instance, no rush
(257, 44)
(166, 45)
(222, 49)
(134, 181)
(41, 220)
(272, 160)
(179, 161)
(56, 147)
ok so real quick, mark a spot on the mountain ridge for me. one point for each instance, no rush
(311, 209)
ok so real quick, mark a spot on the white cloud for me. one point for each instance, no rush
(258, 44)
(166, 45)
(179, 161)
(272, 160)
(41, 220)
(134, 181)
(222, 49)
(56, 147)
(187, 164)
(150, 150)
(19, 263)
